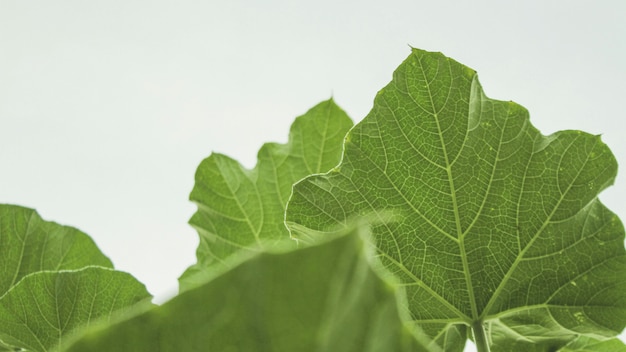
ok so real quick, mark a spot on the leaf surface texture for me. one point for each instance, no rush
(29, 244)
(243, 210)
(54, 280)
(496, 223)
(44, 307)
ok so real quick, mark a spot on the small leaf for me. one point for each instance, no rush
(44, 307)
(322, 298)
(500, 226)
(29, 244)
(243, 210)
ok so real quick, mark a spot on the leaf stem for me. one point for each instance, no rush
(480, 336)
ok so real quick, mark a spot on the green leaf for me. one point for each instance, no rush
(243, 210)
(322, 298)
(580, 344)
(586, 344)
(44, 307)
(29, 244)
(53, 279)
(500, 227)
(6, 348)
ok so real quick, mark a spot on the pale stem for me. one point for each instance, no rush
(480, 336)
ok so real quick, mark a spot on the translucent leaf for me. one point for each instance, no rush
(322, 298)
(44, 307)
(29, 244)
(243, 210)
(500, 227)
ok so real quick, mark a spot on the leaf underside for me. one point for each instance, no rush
(496, 223)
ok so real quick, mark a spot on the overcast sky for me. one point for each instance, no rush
(107, 107)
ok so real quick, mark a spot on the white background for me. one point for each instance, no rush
(107, 107)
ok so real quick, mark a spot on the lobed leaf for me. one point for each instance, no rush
(243, 210)
(322, 298)
(500, 227)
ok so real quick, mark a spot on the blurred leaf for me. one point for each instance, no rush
(322, 298)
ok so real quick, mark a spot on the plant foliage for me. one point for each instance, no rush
(243, 210)
(478, 226)
(323, 298)
(56, 281)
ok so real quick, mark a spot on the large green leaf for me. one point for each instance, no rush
(44, 307)
(243, 210)
(29, 244)
(322, 298)
(500, 227)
